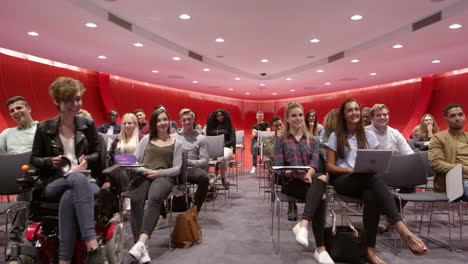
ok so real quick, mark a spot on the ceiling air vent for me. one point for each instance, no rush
(427, 21)
(119, 21)
(175, 77)
(336, 57)
(213, 87)
(195, 56)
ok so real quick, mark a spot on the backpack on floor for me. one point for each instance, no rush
(187, 231)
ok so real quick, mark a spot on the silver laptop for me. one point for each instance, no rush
(372, 160)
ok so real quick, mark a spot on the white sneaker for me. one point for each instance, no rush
(162, 222)
(138, 250)
(126, 204)
(213, 178)
(302, 236)
(145, 258)
(323, 258)
(252, 171)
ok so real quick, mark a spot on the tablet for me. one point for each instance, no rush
(291, 167)
(372, 161)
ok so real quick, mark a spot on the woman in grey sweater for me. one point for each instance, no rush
(161, 156)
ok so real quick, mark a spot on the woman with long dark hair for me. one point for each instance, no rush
(298, 148)
(161, 156)
(423, 132)
(343, 144)
(219, 123)
(315, 129)
(70, 141)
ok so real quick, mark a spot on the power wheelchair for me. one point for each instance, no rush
(42, 237)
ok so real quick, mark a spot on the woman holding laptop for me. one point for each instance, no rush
(342, 147)
(297, 148)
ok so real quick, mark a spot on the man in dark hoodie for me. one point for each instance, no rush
(196, 145)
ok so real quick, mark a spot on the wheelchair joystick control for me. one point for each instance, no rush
(27, 181)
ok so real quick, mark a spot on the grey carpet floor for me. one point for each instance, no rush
(239, 233)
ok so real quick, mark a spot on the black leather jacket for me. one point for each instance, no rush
(47, 144)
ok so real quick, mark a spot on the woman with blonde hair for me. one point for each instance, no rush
(128, 137)
(423, 132)
(329, 124)
(298, 148)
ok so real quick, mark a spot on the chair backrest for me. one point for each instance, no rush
(240, 138)
(405, 171)
(261, 139)
(11, 170)
(182, 179)
(215, 146)
(425, 159)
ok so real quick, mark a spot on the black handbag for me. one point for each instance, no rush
(345, 243)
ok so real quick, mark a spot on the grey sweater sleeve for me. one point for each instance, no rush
(203, 158)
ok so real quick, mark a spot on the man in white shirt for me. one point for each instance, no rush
(14, 140)
(389, 139)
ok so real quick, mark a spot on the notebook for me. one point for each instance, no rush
(454, 183)
(372, 160)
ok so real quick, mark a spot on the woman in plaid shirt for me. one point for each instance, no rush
(297, 148)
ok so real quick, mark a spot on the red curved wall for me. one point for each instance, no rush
(407, 101)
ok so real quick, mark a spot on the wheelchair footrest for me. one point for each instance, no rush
(18, 250)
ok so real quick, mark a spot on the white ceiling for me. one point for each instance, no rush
(277, 30)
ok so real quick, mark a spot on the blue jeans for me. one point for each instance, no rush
(76, 196)
(465, 192)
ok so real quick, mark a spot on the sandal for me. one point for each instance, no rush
(412, 239)
(376, 260)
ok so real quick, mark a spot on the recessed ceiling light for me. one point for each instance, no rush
(356, 17)
(91, 25)
(355, 60)
(315, 40)
(219, 40)
(247, 93)
(176, 58)
(262, 84)
(320, 70)
(230, 89)
(154, 71)
(138, 44)
(274, 94)
(397, 46)
(327, 83)
(455, 26)
(264, 60)
(194, 81)
(184, 16)
(102, 57)
(206, 69)
(288, 79)
(34, 34)
(373, 74)
(292, 90)
(436, 61)
(237, 78)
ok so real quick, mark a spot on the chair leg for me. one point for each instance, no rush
(430, 220)
(170, 227)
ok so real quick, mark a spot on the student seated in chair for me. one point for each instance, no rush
(297, 148)
(197, 148)
(14, 140)
(343, 144)
(449, 148)
(76, 138)
(161, 156)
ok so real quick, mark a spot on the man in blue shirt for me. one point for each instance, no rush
(111, 128)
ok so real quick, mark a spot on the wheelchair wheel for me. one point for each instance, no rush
(114, 246)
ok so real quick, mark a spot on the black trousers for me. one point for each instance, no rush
(199, 177)
(314, 210)
(376, 197)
